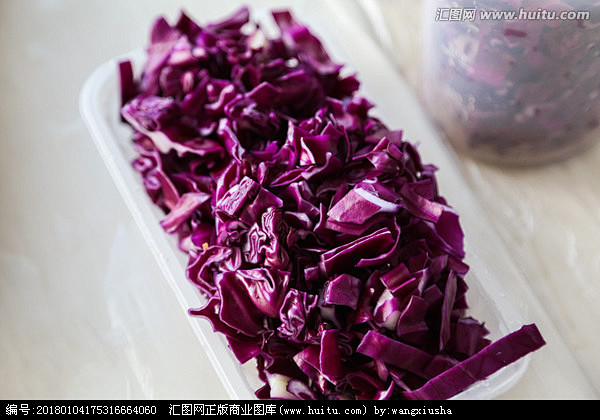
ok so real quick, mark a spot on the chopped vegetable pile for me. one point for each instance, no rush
(317, 236)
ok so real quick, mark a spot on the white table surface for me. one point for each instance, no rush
(84, 310)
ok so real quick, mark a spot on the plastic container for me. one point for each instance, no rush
(519, 87)
(99, 105)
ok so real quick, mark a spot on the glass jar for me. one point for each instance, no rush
(511, 81)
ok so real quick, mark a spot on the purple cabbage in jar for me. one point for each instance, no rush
(521, 90)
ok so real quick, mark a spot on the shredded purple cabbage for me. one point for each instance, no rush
(317, 236)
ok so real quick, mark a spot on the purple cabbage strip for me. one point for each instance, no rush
(480, 365)
(324, 251)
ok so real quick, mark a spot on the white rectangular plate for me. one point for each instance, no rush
(399, 109)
